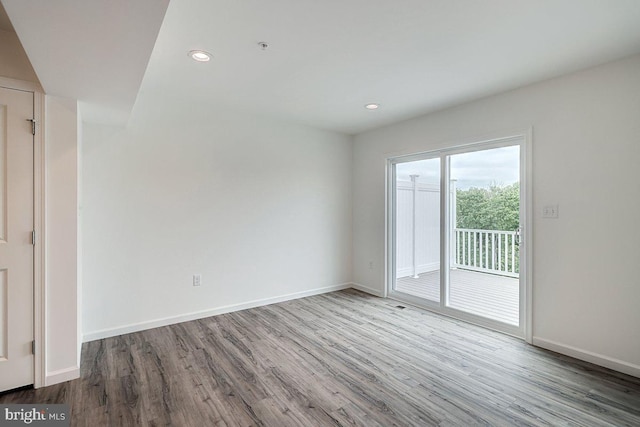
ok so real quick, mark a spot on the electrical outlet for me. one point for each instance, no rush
(370, 265)
(197, 280)
(550, 211)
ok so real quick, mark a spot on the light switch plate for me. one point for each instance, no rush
(550, 211)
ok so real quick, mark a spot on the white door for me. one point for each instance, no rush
(16, 249)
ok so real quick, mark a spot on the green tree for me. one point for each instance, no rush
(495, 208)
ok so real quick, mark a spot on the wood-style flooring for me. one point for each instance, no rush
(339, 359)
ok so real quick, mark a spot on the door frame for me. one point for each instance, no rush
(525, 330)
(39, 256)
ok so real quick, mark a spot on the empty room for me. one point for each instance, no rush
(319, 213)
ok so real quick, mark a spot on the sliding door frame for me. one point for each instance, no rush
(523, 139)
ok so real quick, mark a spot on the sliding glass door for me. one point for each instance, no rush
(456, 232)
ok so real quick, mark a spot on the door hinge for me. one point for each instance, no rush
(33, 347)
(33, 125)
(33, 237)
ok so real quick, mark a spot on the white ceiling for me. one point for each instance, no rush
(95, 51)
(326, 59)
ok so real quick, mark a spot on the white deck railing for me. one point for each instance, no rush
(490, 251)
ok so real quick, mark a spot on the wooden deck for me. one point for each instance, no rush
(488, 295)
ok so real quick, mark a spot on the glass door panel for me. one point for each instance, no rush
(417, 229)
(484, 233)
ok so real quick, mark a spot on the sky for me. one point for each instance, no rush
(476, 169)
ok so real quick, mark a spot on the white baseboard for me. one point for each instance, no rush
(150, 324)
(62, 375)
(367, 290)
(588, 356)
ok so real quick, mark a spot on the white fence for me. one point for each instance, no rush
(418, 236)
(417, 230)
(490, 251)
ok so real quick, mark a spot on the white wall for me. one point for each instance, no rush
(261, 209)
(61, 275)
(586, 148)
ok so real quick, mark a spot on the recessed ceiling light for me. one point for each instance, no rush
(200, 55)
(372, 106)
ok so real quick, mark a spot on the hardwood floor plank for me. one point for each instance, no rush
(339, 359)
(271, 412)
